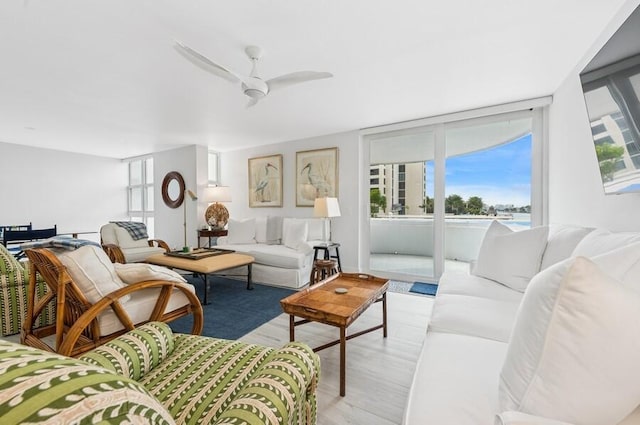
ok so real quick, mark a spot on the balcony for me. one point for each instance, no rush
(404, 244)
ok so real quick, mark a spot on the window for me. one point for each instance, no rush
(140, 192)
(213, 168)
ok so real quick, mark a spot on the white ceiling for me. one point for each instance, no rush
(102, 76)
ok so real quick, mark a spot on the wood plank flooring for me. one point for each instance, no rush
(379, 370)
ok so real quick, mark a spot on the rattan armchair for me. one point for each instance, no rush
(80, 325)
(121, 248)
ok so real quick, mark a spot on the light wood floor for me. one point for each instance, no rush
(379, 371)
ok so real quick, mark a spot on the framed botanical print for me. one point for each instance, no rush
(316, 175)
(265, 181)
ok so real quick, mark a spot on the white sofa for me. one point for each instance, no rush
(487, 341)
(282, 247)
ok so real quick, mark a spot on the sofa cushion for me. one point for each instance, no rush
(573, 352)
(135, 353)
(140, 272)
(92, 271)
(561, 243)
(455, 381)
(519, 418)
(476, 316)
(241, 231)
(108, 234)
(600, 241)
(511, 258)
(279, 256)
(463, 283)
(43, 387)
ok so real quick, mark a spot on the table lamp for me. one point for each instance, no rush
(326, 208)
(217, 214)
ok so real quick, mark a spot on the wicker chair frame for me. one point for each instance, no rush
(117, 256)
(76, 327)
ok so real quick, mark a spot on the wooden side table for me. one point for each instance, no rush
(213, 233)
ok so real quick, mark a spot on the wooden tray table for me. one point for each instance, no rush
(321, 303)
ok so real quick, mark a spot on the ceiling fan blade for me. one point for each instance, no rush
(295, 78)
(207, 64)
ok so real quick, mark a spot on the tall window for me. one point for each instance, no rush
(140, 192)
(213, 168)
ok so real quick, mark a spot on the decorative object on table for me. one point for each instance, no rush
(252, 86)
(265, 181)
(193, 197)
(326, 208)
(173, 188)
(316, 175)
(217, 214)
(198, 253)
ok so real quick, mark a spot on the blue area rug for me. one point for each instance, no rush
(424, 288)
(233, 311)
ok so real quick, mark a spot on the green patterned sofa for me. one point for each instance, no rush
(152, 376)
(14, 281)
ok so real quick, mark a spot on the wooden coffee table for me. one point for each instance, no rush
(206, 266)
(321, 303)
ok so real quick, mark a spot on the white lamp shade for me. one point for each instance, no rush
(326, 207)
(217, 194)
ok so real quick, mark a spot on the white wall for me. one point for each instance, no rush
(234, 173)
(76, 192)
(575, 188)
(191, 163)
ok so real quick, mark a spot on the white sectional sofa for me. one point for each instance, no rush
(535, 334)
(282, 247)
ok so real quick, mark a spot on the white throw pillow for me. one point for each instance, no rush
(261, 230)
(511, 258)
(600, 241)
(241, 231)
(295, 234)
(93, 272)
(561, 243)
(140, 272)
(574, 347)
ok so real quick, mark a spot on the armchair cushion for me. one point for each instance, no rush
(93, 272)
(139, 272)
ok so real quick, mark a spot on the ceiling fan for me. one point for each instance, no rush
(252, 85)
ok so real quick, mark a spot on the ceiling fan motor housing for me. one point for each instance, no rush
(255, 88)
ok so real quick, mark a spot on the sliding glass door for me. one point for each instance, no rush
(401, 214)
(433, 190)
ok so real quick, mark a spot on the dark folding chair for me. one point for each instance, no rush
(13, 227)
(16, 237)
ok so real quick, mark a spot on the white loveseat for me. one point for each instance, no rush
(282, 247)
(554, 347)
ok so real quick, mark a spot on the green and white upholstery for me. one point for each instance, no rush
(14, 283)
(42, 387)
(208, 380)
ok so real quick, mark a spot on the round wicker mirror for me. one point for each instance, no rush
(173, 189)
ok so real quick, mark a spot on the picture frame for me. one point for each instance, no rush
(265, 181)
(316, 175)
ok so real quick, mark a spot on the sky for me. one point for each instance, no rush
(501, 175)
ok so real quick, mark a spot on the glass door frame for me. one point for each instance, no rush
(538, 109)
